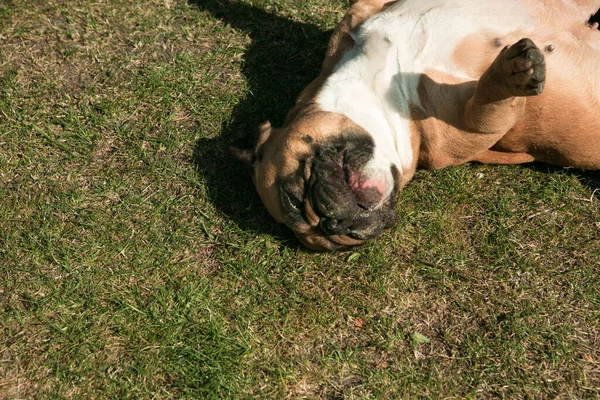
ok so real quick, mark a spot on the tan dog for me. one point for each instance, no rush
(428, 83)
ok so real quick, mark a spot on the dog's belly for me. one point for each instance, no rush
(379, 84)
(562, 125)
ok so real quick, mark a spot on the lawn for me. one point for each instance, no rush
(137, 261)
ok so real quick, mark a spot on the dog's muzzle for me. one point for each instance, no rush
(344, 205)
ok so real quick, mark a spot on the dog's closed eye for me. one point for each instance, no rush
(290, 201)
(291, 197)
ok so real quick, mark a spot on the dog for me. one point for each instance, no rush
(413, 84)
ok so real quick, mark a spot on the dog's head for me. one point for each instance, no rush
(319, 176)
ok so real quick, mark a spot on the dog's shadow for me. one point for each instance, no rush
(591, 179)
(284, 56)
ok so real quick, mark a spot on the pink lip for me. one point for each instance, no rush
(375, 184)
(368, 191)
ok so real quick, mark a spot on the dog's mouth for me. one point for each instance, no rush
(334, 203)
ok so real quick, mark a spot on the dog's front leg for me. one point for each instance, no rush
(499, 99)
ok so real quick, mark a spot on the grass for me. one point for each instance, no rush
(136, 260)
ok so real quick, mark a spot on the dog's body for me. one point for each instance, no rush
(429, 83)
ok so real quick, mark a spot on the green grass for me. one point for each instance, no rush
(136, 260)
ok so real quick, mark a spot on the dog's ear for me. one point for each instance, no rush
(246, 148)
(243, 149)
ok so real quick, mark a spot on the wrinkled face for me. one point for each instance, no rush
(321, 179)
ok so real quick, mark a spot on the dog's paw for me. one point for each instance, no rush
(522, 68)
